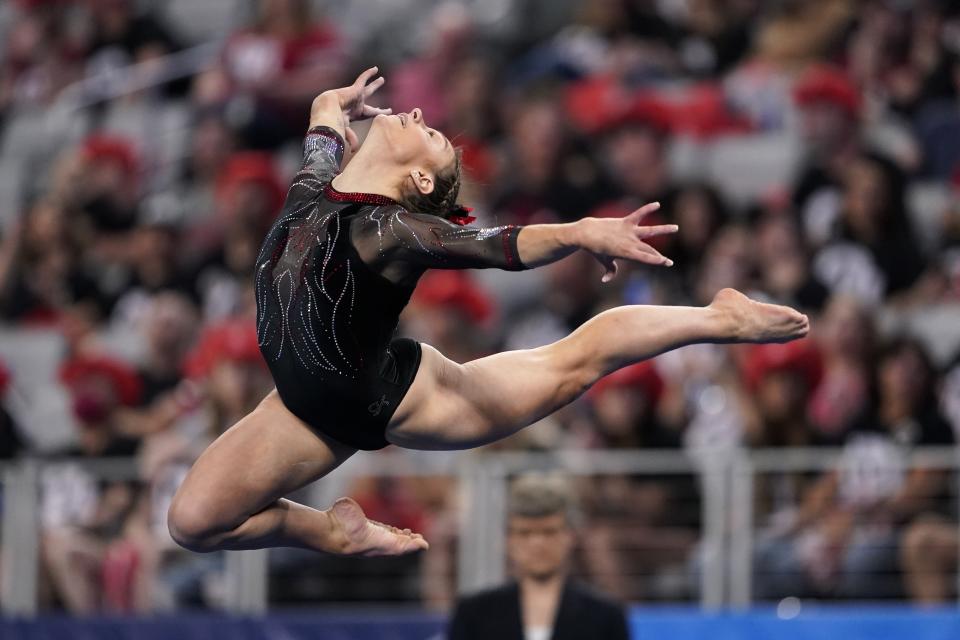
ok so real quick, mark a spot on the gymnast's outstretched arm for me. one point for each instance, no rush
(399, 242)
(606, 238)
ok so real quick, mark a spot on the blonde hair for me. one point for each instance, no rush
(538, 495)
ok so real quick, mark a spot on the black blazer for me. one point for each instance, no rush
(495, 615)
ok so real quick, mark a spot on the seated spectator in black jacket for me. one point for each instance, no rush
(542, 604)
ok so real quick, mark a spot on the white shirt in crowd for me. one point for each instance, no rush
(538, 633)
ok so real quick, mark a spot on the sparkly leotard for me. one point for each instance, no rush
(332, 277)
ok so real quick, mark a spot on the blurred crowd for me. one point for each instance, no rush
(137, 217)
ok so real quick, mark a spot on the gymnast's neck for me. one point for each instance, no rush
(365, 174)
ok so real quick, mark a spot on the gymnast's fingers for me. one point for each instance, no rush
(369, 112)
(609, 266)
(648, 255)
(657, 230)
(365, 76)
(373, 86)
(638, 215)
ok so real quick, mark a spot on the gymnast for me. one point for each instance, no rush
(334, 273)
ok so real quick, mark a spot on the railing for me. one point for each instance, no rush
(122, 81)
(727, 479)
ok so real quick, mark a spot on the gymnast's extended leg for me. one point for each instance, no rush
(453, 406)
(233, 496)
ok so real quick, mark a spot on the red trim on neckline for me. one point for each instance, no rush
(331, 193)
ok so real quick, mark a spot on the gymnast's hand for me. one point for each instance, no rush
(611, 238)
(353, 99)
(337, 108)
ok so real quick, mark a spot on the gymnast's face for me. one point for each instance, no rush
(540, 547)
(405, 139)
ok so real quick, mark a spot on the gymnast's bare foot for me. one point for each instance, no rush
(368, 538)
(747, 320)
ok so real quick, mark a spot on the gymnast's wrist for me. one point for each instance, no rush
(576, 235)
(326, 108)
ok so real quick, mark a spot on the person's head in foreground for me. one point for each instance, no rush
(540, 535)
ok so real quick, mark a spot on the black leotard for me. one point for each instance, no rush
(332, 277)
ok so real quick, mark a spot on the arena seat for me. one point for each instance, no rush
(752, 166)
(203, 20)
(10, 178)
(926, 203)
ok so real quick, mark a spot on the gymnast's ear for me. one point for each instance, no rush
(422, 181)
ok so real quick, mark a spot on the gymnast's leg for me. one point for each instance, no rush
(452, 406)
(232, 498)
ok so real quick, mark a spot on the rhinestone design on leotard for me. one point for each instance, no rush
(360, 198)
(306, 279)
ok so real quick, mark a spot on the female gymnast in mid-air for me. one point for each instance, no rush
(334, 273)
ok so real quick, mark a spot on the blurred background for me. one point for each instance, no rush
(809, 151)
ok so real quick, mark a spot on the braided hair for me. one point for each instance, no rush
(442, 201)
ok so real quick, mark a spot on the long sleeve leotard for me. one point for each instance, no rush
(332, 277)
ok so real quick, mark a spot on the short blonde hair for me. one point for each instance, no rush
(538, 495)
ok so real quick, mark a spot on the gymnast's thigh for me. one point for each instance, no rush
(433, 407)
(459, 406)
(266, 455)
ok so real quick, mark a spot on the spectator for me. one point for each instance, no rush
(783, 265)
(80, 516)
(227, 362)
(727, 262)
(40, 271)
(39, 58)
(570, 295)
(874, 253)
(419, 82)
(700, 213)
(104, 187)
(212, 143)
(624, 408)
(120, 35)
(780, 378)
(846, 344)
(169, 329)
(791, 36)
(450, 309)
(830, 110)
(248, 197)
(99, 187)
(634, 147)
(542, 603)
(648, 522)
(844, 540)
(155, 263)
(937, 125)
(275, 67)
(715, 36)
(545, 171)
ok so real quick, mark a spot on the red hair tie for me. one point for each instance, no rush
(460, 215)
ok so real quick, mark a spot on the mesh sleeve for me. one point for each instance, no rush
(430, 242)
(322, 154)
